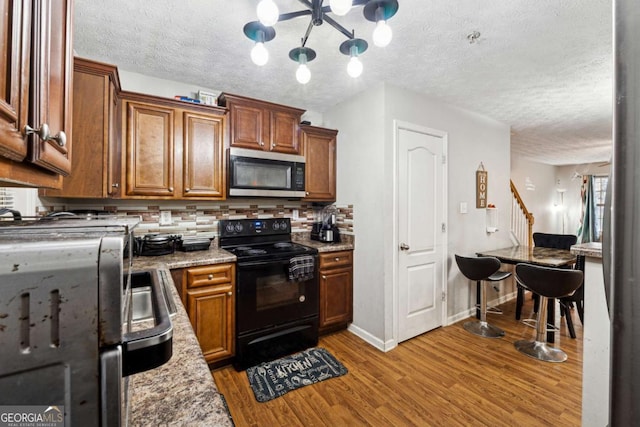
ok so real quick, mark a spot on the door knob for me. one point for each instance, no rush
(404, 247)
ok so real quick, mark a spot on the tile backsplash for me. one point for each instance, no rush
(202, 220)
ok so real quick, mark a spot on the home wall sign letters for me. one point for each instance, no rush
(482, 182)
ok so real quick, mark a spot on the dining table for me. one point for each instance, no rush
(546, 257)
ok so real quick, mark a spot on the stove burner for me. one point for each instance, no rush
(282, 245)
(255, 251)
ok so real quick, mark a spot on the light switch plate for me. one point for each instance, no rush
(463, 207)
(165, 217)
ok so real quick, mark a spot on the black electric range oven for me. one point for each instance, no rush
(277, 296)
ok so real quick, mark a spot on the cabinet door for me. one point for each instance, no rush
(149, 150)
(247, 126)
(211, 311)
(319, 147)
(284, 132)
(14, 77)
(51, 74)
(203, 169)
(336, 297)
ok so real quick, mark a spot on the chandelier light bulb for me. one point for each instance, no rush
(355, 67)
(268, 12)
(303, 74)
(259, 54)
(382, 34)
(340, 7)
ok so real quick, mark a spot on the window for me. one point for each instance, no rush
(599, 193)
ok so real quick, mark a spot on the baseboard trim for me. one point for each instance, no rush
(371, 339)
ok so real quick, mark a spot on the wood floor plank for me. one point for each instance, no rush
(446, 377)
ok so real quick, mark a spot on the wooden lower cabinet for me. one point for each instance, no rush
(208, 294)
(336, 290)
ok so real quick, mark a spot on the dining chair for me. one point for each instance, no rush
(482, 269)
(544, 240)
(577, 298)
(549, 283)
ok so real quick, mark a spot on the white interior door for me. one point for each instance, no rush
(421, 249)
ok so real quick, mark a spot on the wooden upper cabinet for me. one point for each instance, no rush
(173, 150)
(262, 125)
(51, 73)
(96, 153)
(14, 78)
(150, 147)
(204, 165)
(319, 150)
(35, 90)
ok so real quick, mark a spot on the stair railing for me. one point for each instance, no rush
(521, 219)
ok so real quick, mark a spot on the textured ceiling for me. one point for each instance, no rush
(543, 67)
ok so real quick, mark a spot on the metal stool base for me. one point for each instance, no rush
(541, 351)
(483, 329)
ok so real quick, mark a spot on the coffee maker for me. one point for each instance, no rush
(325, 229)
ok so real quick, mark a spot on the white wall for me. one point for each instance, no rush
(545, 202)
(365, 156)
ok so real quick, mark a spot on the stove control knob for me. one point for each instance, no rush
(275, 226)
(238, 227)
(229, 228)
(302, 298)
(283, 225)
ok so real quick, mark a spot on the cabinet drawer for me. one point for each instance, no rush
(336, 259)
(210, 275)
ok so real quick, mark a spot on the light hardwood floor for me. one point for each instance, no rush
(446, 377)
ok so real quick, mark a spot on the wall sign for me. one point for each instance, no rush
(481, 187)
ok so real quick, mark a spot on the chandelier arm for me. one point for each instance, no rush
(291, 15)
(334, 24)
(306, 35)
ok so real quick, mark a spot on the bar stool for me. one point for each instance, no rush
(482, 269)
(548, 283)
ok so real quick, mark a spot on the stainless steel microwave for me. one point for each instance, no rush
(256, 173)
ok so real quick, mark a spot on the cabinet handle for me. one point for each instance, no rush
(324, 277)
(273, 145)
(186, 190)
(116, 185)
(170, 189)
(60, 138)
(210, 277)
(307, 193)
(261, 144)
(337, 259)
(43, 132)
(229, 293)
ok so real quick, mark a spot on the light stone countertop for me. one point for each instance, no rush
(181, 392)
(591, 249)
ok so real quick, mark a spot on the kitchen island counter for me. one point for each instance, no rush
(182, 391)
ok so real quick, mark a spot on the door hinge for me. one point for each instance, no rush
(444, 296)
(444, 227)
(444, 159)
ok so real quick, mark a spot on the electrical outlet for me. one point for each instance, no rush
(165, 217)
(294, 214)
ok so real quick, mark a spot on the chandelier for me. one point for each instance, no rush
(262, 31)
